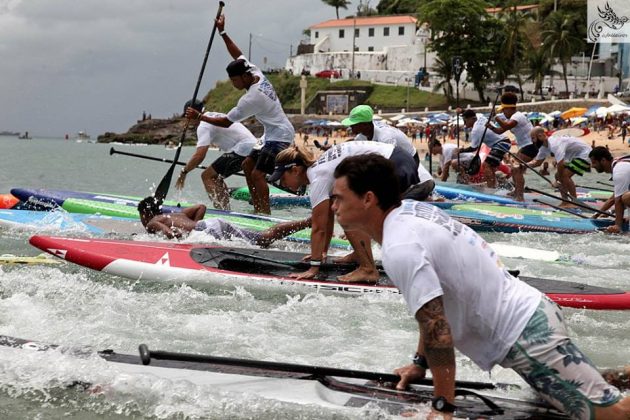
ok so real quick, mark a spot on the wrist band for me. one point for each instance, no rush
(222, 33)
(316, 263)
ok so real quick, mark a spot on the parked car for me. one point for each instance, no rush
(327, 74)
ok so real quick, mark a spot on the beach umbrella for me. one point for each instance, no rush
(536, 116)
(334, 124)
(591, 112)
(397, 117)
(440, 116)
(578, 120)
(573, 112)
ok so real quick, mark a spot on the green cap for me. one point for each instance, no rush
(359, 114)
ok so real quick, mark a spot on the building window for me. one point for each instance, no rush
(342, 33)
(356, 48)
(401, 30)
(370, 48)
(316, 34)
(386, 31)
(370, 31)
(356, 32)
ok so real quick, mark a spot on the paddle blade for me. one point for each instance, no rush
(474, 166)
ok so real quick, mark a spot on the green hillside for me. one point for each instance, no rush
(224, 96)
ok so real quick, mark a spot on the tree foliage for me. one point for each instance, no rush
(464, 29)
(338, 4)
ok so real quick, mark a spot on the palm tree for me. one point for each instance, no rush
(561, 41)
(538, 65)
(338, 4)
(514, 45)
(444, 68)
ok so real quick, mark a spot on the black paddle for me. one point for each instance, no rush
(475, 163)
(535, 200)
(113, 151)
(162, 189)
(593, 188)
(146, 355)
(293, 264)
(577, 203)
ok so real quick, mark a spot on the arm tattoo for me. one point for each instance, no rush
(436, 333)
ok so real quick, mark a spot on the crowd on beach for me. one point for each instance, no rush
(367, 176)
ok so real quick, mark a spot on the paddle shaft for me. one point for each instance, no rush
(535, 200)
(162, 189)
(584, 206)
(164, 160)
(593, 188)
(605, 183)
(146, 355)
(113, 151)
(483, 135)
(573, 200)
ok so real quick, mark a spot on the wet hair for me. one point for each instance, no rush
(295, 153)
(150, 207)
(600, 153)
(469, 113)
(371, 172)
(435, 143)
(509, 98)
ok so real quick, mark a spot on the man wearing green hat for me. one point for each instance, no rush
(364, 128)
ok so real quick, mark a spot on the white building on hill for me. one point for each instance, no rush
(387, 49)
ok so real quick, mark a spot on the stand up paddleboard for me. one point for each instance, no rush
(223, 266)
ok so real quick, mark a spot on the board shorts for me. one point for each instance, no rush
(579, 165)
(530, 151)
(265, 157)
(546, 358)
(227, 164)
(406, 168)
(497, 152)
(221, 229)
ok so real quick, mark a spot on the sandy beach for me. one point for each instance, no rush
(616, 145)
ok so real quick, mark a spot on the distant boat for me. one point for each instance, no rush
(25, 136)
(82, 135)
(9, 133)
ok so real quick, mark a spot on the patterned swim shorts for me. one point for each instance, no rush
(546, 358)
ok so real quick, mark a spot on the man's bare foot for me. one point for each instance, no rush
(360, 275)
(346, 259)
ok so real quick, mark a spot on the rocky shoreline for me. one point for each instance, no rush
(163, 131)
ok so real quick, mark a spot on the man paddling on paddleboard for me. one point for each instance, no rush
(519, 125)
(498, 145)
(462, 297)
(570, 153)
(259, 101)
(235, 141)
(602, 161)
(176, 225)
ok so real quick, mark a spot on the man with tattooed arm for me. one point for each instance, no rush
(462, 297)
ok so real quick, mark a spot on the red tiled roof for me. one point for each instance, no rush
(363, 21)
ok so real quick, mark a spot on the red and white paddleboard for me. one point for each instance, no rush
(224, 266)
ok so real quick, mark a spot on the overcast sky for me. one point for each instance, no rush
(95, 65)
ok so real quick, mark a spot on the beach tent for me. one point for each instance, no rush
(601, 112)
(440, 116)
(617, 109)
(578, 120)
(573, 112)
